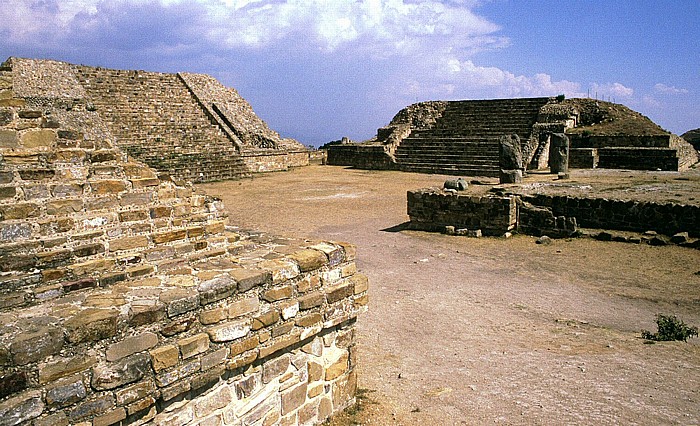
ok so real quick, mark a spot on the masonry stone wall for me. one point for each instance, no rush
(434, 209)
(187, 125)
(125, 298)
(556, 216)
(623, 215)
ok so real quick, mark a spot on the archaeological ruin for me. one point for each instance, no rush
(462, 137)
(126, 298)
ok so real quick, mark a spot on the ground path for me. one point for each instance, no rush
(492, 331)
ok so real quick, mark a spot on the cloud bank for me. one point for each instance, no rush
(370, 56)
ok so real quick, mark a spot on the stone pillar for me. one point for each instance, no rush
(559, 153)
(510, 159)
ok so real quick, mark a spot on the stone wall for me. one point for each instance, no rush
(126, 299)
(370, 157)
(187, 125)
(434, 209)
(637, 216)
(556, 216)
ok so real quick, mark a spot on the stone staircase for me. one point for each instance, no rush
(464, 140)
(156, 119)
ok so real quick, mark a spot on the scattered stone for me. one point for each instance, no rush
(456, 184)
(544, 240)
(680, 238)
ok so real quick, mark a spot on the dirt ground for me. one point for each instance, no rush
(491, 330)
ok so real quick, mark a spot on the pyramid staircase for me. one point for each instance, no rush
(464, 140)
(156, 119)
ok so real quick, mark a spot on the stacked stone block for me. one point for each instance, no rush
(125, 299)
(166, 120)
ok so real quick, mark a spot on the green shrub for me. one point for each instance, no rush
(670, 328)
(561, 98)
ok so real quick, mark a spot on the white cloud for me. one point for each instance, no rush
(668, 90)
(612, 90)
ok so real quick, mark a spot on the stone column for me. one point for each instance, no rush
(559, 153)
(511, 159)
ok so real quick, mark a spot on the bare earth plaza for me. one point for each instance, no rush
(166, 258)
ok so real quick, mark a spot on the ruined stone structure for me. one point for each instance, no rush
(433, 209)
(462, 137)
(188, 125)
(126, 299)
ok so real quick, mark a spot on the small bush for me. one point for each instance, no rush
(560, 98)
(670, 328)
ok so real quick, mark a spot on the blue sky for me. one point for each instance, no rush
(317, 70)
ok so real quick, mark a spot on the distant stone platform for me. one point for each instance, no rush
(187, 125)
(461, 137)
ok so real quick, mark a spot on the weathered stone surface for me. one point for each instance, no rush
(229, 331)
(266, 319)
(249, 278)
(65, 392)
(92, 324)
(275, 368)
(135, 392)
(92, 407)
(339, 292)
(293, 398)
(39, 139)
(36, 345)
(337, 366)
(244, 345)
(559, 153)
(64, 367)
(128, 370)
(164, 357)
(278, 293)
(191, 346)
(110, 418)
(21, 408)
(213, 401)
(309, 259)
(181, 300)
(131, 345)
(12, 382)
(311, 300)
(243, 306)
(217, 288)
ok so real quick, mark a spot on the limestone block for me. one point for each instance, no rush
(278, 293)
(243, 345)
(266, 319)
(335, 254)
(220, 287)
(164, 357)
(127, 370)
(308, 259)
(280, 343)
(360, 283)
(229, 331)
(91, 325)
(135, 392)
(35, 345)
(63, 367)
(64, 207)
(212, 401)
(311, 300)
(65, 392)
(19, 211)
(510, 152)
(110, 418)
(21, 408)
(195, 345)
(281, 269)
(38, 139)
(339, 291)
(249, 278)
(9, 139)
(104, 187)
(559, 153)
(244, 306)
(293, 398)
(131, 345)
(180, 300)
(213, 359)
(511, 176)
(275, 368)
(92, 407)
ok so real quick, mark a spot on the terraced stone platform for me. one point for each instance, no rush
(169, 121)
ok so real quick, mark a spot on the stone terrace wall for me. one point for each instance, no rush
(169, 121)
(434, 209)
(556, 216)
(637, 216)
(124, 298)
